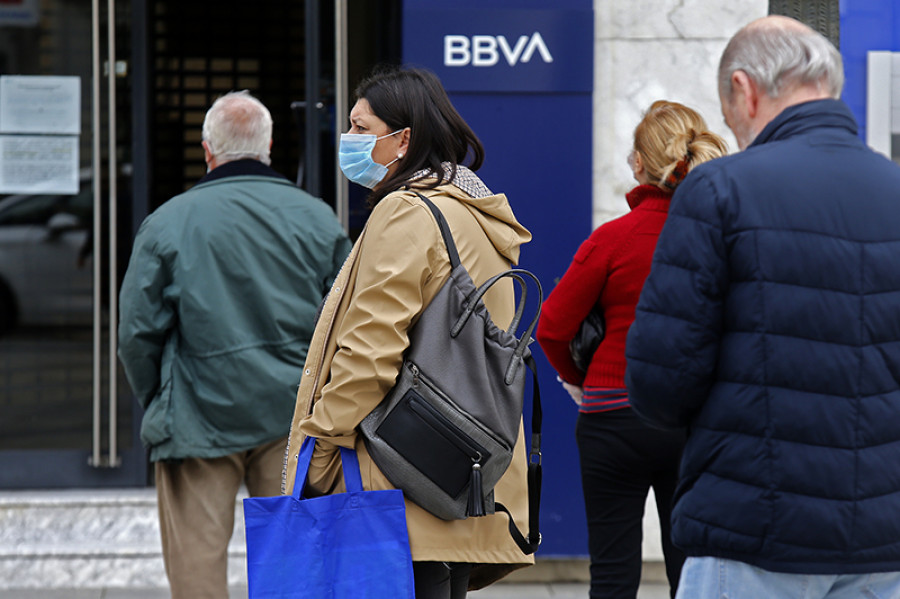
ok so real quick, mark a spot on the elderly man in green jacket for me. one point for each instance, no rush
(217, 309)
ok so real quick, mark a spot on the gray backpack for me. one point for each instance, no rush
(445, 433)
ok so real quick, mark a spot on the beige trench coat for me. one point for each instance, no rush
(397, 265)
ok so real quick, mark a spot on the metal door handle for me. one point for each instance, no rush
(111, 460)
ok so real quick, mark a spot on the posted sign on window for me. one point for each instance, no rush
(40, 120)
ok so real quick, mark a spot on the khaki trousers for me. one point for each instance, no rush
(196, 514)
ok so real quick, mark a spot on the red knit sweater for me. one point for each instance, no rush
(610, 266)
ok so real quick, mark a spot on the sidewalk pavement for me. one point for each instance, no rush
(537, 590)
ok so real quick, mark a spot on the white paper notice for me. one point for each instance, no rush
(19, 13)
(40, 104)
(38, 164)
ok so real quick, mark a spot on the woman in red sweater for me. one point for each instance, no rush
(621, 458)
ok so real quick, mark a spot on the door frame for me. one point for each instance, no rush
(105, 463)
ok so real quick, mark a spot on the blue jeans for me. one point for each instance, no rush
(715, 578)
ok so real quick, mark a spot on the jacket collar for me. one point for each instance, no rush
(238, 168)
(801, 118)
(646, 192)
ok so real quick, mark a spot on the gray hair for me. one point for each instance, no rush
(238, 126)
(778, 54)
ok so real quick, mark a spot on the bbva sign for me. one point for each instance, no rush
(486, 50)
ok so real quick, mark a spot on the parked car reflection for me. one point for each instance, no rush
(45, 259)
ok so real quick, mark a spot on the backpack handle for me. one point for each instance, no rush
(517, 274)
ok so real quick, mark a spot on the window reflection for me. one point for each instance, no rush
(46, 316)
(45, 260)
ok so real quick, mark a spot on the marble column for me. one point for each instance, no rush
(646, 50)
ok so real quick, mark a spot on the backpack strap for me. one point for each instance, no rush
(535, 475)
(445, 231)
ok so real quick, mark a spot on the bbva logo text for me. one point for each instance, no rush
(485, 50)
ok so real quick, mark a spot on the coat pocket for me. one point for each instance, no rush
(156, 426)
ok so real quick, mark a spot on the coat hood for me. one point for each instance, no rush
(492, 212)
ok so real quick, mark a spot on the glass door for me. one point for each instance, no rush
(66, 415)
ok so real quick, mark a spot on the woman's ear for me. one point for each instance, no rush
(404, 141)
(637, 163)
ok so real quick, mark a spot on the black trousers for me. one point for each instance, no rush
(621, 458)
(441, 580)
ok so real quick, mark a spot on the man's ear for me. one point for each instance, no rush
(744, 87)
(207, 155)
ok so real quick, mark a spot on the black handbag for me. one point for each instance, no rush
(445, 433)
(586, 341)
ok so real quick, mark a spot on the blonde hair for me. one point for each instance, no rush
(672, 139)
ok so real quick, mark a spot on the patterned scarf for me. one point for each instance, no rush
(465, 179)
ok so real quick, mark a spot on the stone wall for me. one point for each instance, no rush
(648, 50)
(91, 538)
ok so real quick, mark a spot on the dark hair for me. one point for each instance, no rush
(415, 98)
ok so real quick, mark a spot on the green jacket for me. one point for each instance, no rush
(218, 306)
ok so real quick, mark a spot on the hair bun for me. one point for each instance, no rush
(672, 139)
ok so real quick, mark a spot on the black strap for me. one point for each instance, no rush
(530, 544)
(445, 231)
(535, 476)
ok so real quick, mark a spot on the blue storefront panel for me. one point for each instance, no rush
(521, 74)
(866, 25)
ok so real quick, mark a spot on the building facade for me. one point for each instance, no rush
(100, 115)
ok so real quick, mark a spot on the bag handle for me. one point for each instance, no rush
(349, 461)
(455, 261)
(472, 301)
(520, 309)
(516, 274)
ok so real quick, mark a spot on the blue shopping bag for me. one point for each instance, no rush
(342, 546)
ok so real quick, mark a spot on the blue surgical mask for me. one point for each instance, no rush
(355, 158)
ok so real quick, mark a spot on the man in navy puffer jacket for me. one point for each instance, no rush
(770, 327)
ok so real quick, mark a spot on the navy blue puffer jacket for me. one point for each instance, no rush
(770, 326)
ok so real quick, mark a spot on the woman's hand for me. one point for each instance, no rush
(574, 391)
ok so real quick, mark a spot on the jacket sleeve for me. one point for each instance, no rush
(673, 344)
(569, 304)
(146, 317)
(400, 243)
(342, 248)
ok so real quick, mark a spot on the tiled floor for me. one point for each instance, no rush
(559, 591)
(497, 591)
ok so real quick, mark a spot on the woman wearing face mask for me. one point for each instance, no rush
(405, 136)
(621, 458)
